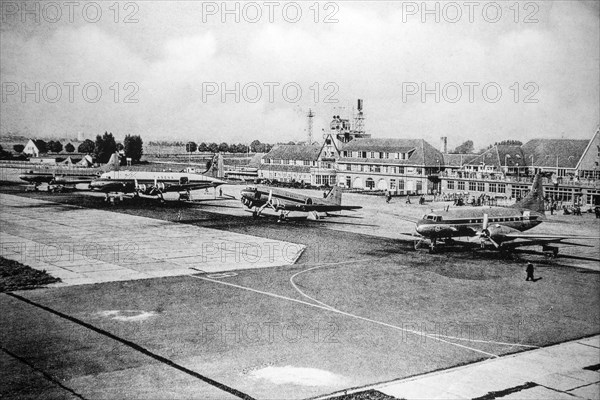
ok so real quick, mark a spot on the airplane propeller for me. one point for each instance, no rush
(484, 234)
(267, 204)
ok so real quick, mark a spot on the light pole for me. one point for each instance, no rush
(506, 157)
(532, 167)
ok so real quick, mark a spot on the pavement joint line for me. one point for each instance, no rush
(582, 386)
(428, 335)
(44, 373)
(346, 314)
(589, 345)
(134, 346)
(559, 391)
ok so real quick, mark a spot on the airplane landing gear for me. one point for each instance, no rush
(185, 196)
(550, 251)
(432, 246)
(282, 217)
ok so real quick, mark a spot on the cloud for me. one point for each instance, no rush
(368, 54)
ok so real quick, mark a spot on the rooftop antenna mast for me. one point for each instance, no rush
(359, 121)
(310, 116)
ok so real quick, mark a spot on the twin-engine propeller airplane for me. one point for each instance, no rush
(283, 201)
(60, 179)
(55, 178)
(499, 226)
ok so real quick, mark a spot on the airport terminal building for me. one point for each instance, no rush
(402, 166)
(413, 166)
(506, 171)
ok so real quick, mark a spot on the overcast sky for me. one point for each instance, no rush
(177, 56)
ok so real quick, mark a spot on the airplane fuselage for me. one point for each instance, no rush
(258, 197)
(152, 182)
(467, 222)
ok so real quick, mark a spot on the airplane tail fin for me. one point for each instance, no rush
(113, 164)
(335, 195)
(534, 200)
(215, 167)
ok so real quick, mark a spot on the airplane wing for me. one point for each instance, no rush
(190, 186)
(531, 239)
(547, 237)
(314, 207)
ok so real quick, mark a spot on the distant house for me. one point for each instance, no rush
(31, 149)
(86, 161)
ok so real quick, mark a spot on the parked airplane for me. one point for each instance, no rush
(152, 183)
(61, 178)
(500, 226)
(283, 201)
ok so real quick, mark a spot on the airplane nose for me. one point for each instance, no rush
(419, 228)
(95, 185)
(422, 228)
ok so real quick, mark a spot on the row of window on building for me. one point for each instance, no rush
(376, 155)
(551, 192)
(383, 169)
(476, 186)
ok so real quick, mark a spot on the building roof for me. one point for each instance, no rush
(587, 155)
(501, 155)
(285, 168)
(457, 160)
(255, 160)
(550, 152)
(294, 152)
(381, 145)
(421, 152)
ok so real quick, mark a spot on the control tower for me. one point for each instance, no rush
(345, 130)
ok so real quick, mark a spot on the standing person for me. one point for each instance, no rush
(529, 271)
(407, 199)
(220, 192)
(388, 197)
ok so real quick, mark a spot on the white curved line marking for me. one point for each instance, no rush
(425, 334)
(346, 314)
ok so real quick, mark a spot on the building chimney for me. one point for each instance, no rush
(444, 144)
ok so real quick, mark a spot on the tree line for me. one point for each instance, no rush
(102, 148)
(254, 147)
(190, 147)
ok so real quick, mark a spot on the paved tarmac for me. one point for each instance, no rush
(564, 371)
(84, 246)
(396, 220)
